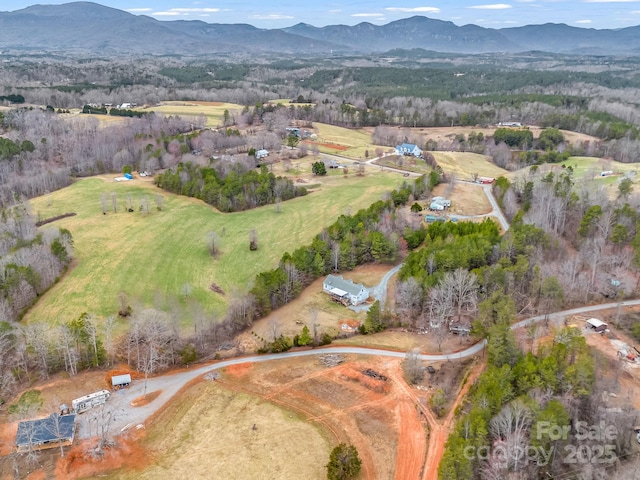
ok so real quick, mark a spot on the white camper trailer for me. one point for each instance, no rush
(87, 402)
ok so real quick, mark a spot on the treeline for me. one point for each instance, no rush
(13, 98)
(10, 148)
(116, 112)
(42, 151)
(30, 261)
(232, 191)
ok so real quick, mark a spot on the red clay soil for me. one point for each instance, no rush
(7, 437)
(412, 443)
(37, 475)
(239, 370)
(440, 431)
(128, 454)
(143, 400)
(332, 146)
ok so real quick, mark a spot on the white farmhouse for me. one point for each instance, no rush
(345, 291)
(409, 149)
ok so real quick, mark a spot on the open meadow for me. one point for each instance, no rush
(464, 164)
(162, 251)
(346, 142)
(222, 433)
(214, 111)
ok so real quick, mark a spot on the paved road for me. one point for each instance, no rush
(127, 416)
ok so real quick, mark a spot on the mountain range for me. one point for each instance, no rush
(88, 28)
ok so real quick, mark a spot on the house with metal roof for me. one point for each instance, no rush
(121, 381)
(46, 433)
(345, 291)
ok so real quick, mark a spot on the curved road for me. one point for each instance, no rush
(127, 416)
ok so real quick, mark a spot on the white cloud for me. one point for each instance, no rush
(270, 16)
(493, 6)
(367, 15)
(335, 11)
(139, 9)
(166, 14)
(584, 21)
(413, 9)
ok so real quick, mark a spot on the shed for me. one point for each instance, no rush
(597, 324)
(120, 381)
(45, 433)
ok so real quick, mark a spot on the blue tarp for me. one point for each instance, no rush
(128, 176)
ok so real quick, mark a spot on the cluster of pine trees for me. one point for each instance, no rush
(239, 189)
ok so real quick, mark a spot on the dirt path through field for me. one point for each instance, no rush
(440, 430)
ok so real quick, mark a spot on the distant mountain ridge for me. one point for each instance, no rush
(90, 28)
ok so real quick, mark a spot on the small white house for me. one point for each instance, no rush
(262, 153)
(409, 149)
(445, 202)
(345, 291)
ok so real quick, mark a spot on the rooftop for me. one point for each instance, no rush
(337, 282)
(46, 430)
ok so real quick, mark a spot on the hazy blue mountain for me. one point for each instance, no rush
(84, 27)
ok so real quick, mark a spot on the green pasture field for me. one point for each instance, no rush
(589, 169)
(464, 164)
(407, 163)
(350, 143)
(214, 111)
(161, 251)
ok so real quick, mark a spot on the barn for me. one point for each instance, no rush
(46, 433)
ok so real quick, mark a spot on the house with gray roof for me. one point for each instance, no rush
(46, 433)
(345, 291)
(409, 149)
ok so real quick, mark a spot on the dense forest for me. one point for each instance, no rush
(229, 191)
(31, 259)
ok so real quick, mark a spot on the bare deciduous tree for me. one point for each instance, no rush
(463, 288)
(412, 365)
(213, 243)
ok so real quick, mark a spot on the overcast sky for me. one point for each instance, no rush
(283, 13)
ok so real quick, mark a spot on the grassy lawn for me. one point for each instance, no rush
(218, 433)
(592, 167)
(405, 163)
(465, 164)
(346, 142)
(142, 254)
(214, 111)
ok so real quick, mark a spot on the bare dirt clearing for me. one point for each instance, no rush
(367, 412)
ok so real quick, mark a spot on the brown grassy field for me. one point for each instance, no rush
(464, 165)
(214, 432)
